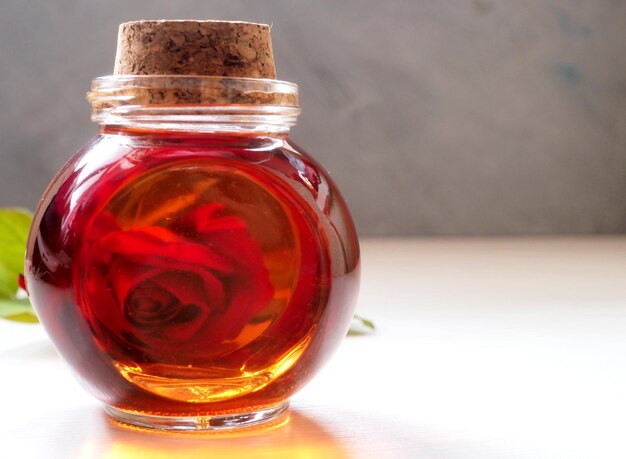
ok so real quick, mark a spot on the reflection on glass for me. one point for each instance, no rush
(295, 436)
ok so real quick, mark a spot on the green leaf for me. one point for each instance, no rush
(8, 288)
(368, 323)
(360, 326)
(14, 227)
(17, 309)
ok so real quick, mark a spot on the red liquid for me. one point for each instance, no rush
(190, 274)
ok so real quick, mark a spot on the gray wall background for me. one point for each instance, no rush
(456, 117)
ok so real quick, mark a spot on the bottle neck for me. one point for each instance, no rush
(245, 119)
(194, 104)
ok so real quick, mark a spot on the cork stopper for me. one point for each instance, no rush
(170, 63)
(209, 48)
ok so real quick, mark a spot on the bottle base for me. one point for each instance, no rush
(198, 423)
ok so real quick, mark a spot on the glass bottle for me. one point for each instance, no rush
(193, 266)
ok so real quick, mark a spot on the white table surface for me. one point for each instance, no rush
(485, 348)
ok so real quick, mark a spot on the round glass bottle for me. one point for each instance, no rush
(193, 266)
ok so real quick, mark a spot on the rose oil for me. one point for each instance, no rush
(193, 265)
(187, 273)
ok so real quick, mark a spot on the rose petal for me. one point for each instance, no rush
(124, 276)
(21, 281)
(149, 306)
(189, 288)
(210, 264)
(208, 295)
(160, 247)
(101, 307)
(250, 286)
(176, 306)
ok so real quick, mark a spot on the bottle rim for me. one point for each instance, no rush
(197, 103)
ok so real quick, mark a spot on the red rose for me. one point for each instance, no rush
(177, 294)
